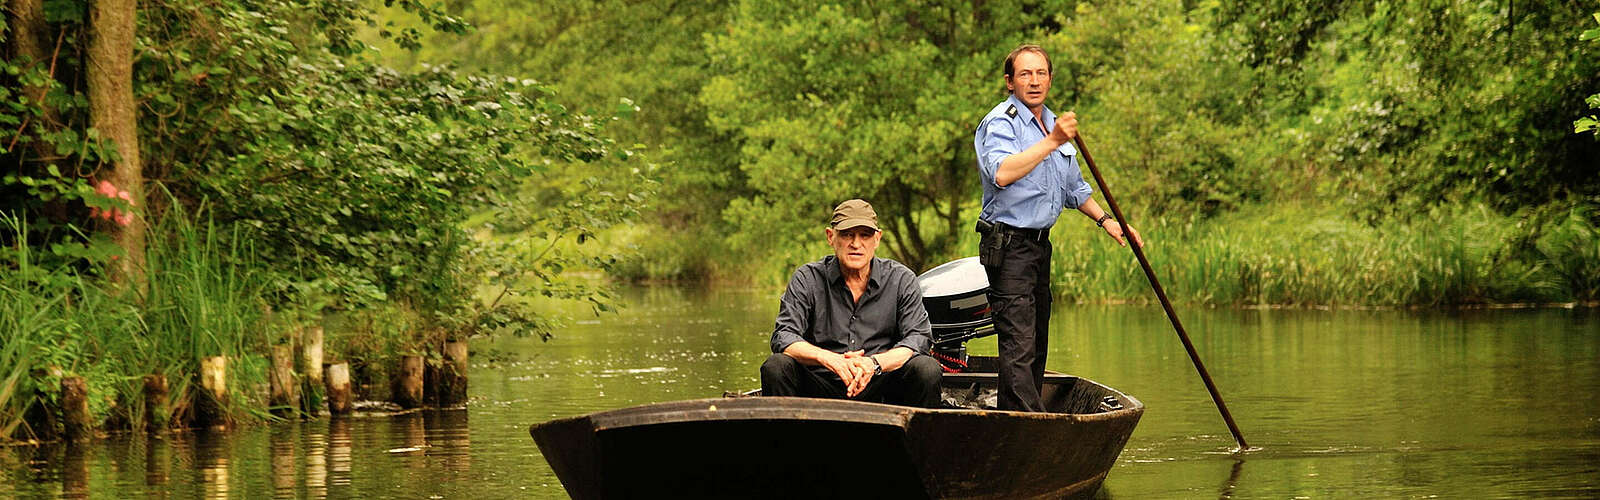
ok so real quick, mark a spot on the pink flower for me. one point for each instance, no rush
(107, 189)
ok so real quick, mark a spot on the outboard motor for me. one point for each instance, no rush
(956, 295)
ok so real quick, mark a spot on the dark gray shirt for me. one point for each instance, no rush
(818, 308)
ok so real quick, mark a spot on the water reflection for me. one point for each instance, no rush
(316, 463)
(1232, 483)
(157, 464)
(413, 440)
(75, 470)
(211, 454)
(1344, 404)
(283, 461)
(449, 439)
(339, 444)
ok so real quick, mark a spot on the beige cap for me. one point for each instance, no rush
(854, 213)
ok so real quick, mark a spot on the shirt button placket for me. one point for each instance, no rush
(855, 339)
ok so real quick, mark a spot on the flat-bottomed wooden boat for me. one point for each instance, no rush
(758, 447)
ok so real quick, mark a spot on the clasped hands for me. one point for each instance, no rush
(855, 368)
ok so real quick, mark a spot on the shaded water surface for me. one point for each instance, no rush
(1342, 404)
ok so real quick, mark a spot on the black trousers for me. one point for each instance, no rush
(916, 383)
(1018, 267)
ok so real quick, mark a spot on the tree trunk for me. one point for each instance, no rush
(112, 112)
(30, 41)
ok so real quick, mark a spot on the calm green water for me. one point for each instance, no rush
(1342, 404)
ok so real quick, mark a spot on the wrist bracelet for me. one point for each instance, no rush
(1102, 220)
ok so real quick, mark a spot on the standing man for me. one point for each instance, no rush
(852, 325)
(1030, 175)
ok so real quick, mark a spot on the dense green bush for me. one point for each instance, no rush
(357, 179)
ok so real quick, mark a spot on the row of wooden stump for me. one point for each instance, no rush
(298, 386)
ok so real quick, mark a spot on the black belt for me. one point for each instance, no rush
(1026, 233)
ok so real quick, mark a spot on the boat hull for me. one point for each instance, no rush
(825, 448)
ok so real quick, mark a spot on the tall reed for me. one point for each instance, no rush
(205, 299)
(48, 315)
(1291, 255)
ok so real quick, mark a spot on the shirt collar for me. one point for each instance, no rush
(830, 270)
(1026, 115)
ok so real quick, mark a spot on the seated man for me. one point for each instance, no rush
(852, 325)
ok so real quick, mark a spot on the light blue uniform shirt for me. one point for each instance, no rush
(1037, 199)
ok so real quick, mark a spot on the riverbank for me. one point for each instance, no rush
(198, 348)
(1268, 255)
(206, 300)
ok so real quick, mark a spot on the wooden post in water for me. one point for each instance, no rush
(155, 403)
(339, 396)
(282, 395)
(40, 415)
(311, 368)
(212, 402)
(430, 382)
(75, 424)
(408, 382)
(453, 374)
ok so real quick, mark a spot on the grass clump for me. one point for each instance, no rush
(58, 318)
(1306, 256)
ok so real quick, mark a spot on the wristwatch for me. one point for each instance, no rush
(877, 368)
(1102, 220)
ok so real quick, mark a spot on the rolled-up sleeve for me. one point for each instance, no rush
(914, 325)
(997, 140)
(794, 311)
(1076, 192)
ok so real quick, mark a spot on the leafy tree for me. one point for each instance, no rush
(109, 71)
(1590, 122)
(644, 58)
(355, 178)
(1410, 103)
(1159, 104)
(876, 101)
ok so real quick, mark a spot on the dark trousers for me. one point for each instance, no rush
(1019, 292)
(916, 383)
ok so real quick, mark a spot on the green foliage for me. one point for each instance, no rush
(1590, 122)
(1310, 256)
(871, 101)
(1387, 112)
(1405, 104)
(1571, 246)
(573, 47)
(356, 179)
(206, 301)
(301, 177)
(1158, 101)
